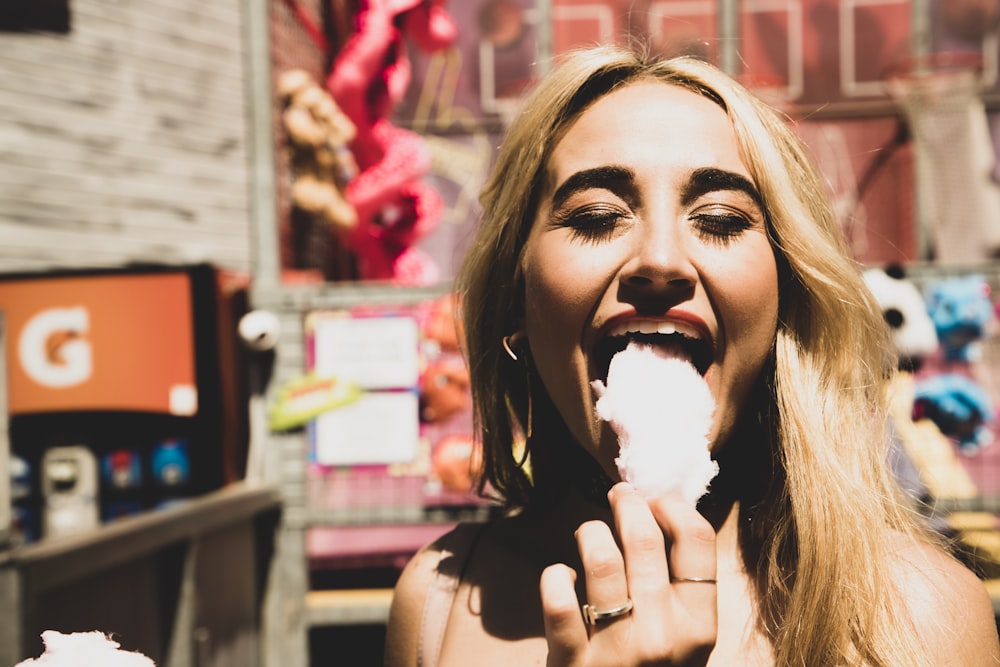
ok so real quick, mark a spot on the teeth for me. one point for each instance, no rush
(654, 327)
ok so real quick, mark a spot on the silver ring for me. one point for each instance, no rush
(692, 580)
(594, 616)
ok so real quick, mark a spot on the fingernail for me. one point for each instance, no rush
(619, 487)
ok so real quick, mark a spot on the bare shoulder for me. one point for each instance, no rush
(949, 603)
(403, 629)
(432, 567)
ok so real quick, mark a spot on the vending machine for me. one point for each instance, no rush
(125, 390)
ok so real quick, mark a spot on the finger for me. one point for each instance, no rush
(644, 550)
(604, 568)
(691, 551)
(565, 631)
(692, 537)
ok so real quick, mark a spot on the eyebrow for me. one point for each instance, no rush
(621, 181)
(618, 180)
(710, 179)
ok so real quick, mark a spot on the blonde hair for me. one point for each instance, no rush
(820, 537)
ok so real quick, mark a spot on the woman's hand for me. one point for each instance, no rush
(672, 622)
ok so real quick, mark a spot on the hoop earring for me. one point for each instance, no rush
(509, 342)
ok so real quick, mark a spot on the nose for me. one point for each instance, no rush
(660, 259)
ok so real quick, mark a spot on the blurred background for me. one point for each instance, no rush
(234, 399)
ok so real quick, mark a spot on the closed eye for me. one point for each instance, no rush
(592, 224)
(721, 226)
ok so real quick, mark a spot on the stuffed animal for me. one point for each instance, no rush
(369, 77)
(961, 310)
(914, 338)
(913, 332)
(959, 407)
(949, 393)
(443, 325)
(322, 165)
(444, 389)
(454, 461)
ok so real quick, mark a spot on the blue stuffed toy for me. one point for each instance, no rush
(960, 309)
(959, 407)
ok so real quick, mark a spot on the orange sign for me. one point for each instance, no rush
(100, 342)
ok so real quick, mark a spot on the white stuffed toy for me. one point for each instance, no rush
(905, 311)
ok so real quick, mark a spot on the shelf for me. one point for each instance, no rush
(415, 515)
(366, 606)
(183, 584)
(52, 562)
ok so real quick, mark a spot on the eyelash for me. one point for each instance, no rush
(722, 227)
(593, 224)
(597, 224)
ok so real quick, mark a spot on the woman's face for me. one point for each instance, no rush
(650, 217)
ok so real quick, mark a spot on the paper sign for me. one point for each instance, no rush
(371, 352)
(377, 428)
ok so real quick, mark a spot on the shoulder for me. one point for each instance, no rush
(949, 604)
(434, 570)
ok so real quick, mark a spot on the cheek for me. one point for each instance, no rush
(751, 306)
(549, 315)
(558, 303)
(555, 285)
(757, 312)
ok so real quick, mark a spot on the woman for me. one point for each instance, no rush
(628, 191)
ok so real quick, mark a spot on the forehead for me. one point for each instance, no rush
(649, 122)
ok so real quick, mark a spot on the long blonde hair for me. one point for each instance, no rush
(820, 538)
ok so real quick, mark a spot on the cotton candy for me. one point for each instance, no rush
(84, 649)
(661, 409)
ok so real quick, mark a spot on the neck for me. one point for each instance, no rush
(551, 528)
(561, 467)
(727, 530)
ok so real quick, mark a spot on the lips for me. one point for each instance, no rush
(678, 338)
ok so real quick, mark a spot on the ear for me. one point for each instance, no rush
(897, 271)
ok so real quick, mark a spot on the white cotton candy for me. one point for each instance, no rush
(661, 409)
(84, 649)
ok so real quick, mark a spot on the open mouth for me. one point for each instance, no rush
(675, 340)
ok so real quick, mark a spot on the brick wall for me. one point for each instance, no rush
(125, 139)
